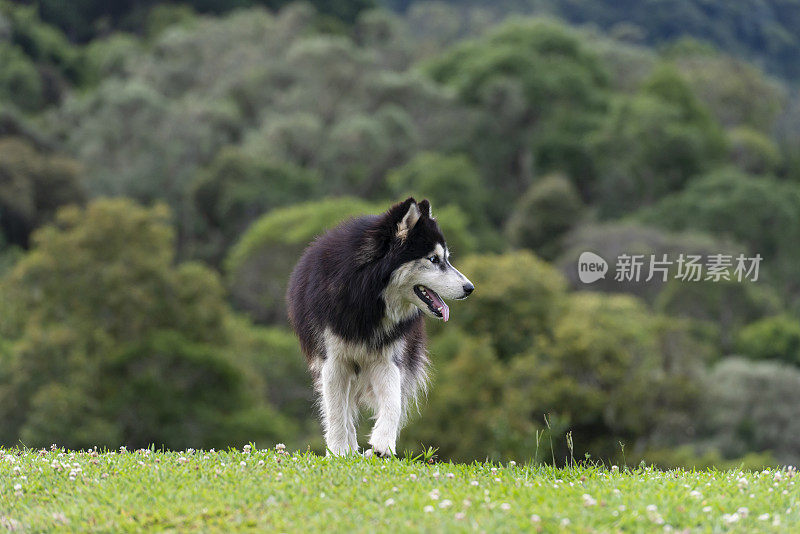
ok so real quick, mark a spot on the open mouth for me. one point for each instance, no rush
(434, 302)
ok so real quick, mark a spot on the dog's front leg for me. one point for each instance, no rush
(386, 382)
(338, 407)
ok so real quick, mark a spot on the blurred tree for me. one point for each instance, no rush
(720, 308)
(612, 371)
(517, 285)
(753, 152)
(33, 184)
(20, 82)
(95, 310)
(447, 180)
(549, 208)
(771, 338)
(37, 63)
(611, 240)
(749, 406)
(237, 188)
(604, 368)
(653, 143)
(90, 18)
(766, 221)
(735, 92)
(520, 77)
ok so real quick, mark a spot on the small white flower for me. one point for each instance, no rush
(512, 463)
(389, 502)
(460, 516)
(743, 511)
(473, 483)
(614, 468)
(428, 509)
(450, 475)
(696, 494)
(505, 506)
(17, 487)
(565, 522)
(763, 517)
(729, 519)
(743, 483)
(446, 503)
(412, 476)
(535, 518)
(588, 500)
(707, 509)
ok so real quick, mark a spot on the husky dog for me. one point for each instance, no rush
(356, 300)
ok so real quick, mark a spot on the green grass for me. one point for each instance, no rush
(276, 491)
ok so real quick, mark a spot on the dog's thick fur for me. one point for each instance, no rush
(356, 300)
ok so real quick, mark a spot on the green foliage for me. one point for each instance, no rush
(237, 188)
(522, 77)
(771, 338)
(518, 300)
(93, 361)
(260, 129)
(611, 369)
(753, 152)
(611, 240)
(20, 83)
(723, 307)
(748, 406)
(454, 184)
(766, 221)
(87, 19)
(33, 184)
(653, 143)
(735, 92)
(36, 60)
(442, 179)
(600, 366)
(549, 208)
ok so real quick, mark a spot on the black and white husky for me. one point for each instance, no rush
(356, 301)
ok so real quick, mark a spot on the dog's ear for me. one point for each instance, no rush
(409, 213)
(394, 225)
(425, 208)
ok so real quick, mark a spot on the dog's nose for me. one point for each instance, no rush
(468, 288)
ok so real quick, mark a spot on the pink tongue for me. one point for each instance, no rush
(439, 302)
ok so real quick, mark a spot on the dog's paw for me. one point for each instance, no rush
(369, 453)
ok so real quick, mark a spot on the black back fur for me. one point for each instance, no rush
(338, 281)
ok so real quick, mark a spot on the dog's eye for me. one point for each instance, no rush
(434, 259)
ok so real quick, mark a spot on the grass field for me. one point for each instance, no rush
(274, 490)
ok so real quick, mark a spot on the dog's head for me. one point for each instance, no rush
(419, 269)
